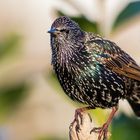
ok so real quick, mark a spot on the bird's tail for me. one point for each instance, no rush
(135, 107)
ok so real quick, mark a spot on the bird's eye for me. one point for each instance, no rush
(64, 30)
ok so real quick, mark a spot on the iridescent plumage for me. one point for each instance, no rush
(91, 69)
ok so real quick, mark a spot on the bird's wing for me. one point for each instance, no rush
(111, 56)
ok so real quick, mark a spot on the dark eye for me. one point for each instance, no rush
(64, 30)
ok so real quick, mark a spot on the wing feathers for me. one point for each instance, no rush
(111, 56)
(128, 73)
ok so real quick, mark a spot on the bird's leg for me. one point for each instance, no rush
(78, 113)
(104, 129)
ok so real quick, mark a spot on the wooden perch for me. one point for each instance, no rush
(81, 128)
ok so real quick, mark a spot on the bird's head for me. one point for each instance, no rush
(63, 28)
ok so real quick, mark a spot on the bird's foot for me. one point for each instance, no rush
(102, 131)
(78, 113)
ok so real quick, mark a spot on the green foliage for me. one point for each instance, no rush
(125, 128)
(10, 97)
(130, 11)
(99, 113)
(9, 44)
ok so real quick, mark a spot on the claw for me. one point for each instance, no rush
(95, 130)
(103, 132)
(78, 113)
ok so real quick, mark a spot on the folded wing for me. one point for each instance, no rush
(111, 56)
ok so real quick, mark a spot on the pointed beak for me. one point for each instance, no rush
(52, 31)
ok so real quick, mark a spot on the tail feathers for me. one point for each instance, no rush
(135, 107)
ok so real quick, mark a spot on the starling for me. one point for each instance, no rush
(93, 70)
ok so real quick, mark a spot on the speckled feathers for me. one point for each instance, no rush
(90, 69)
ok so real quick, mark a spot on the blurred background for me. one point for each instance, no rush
(32, 103)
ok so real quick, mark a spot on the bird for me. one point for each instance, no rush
(93, 70)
